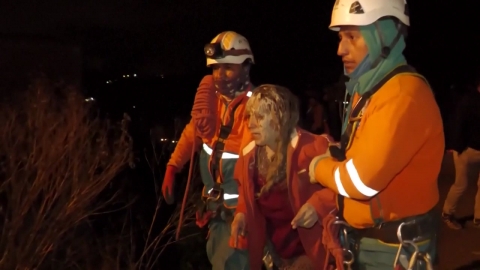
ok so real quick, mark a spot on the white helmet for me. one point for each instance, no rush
(228, 48)
(365, 12)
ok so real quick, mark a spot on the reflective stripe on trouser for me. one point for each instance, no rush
(219, 252)
(229, 186)
(376, 255)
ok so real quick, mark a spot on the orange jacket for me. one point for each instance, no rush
(304, 147)
(394, 160)
(188, 139)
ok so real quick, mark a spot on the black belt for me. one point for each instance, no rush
(422, 225)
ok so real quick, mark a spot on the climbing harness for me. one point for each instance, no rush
(348, 254)
(418, 258)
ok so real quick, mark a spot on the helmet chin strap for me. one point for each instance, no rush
(386, 49)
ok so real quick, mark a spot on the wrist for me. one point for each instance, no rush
(172, 169)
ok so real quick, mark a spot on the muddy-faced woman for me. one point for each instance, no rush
(277, 204)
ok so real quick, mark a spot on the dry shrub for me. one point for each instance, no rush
(155, 241)
(56, 158)
(155, 244)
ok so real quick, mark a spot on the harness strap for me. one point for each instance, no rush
(346, 139)
(218, 148)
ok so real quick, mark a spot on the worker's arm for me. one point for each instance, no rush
(391, 135)
(183, 151)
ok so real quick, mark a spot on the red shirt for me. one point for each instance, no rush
(275, 207)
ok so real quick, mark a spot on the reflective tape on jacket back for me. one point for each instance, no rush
(227, 196)
(225, 155)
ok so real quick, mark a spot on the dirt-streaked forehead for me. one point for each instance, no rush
(264, 101)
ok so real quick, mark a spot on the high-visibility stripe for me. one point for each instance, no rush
(227, 196)
(356, 181)
(225, 155)
(338, 182)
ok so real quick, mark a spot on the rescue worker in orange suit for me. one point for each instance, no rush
(386, 167)
(216, 130)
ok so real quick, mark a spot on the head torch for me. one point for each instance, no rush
(215, 51)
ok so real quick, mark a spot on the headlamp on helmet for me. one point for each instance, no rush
(215, 51)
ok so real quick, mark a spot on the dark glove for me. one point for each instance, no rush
(337, 153)
(169, 184)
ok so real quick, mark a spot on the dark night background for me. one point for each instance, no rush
(290, 40)
(94, 44)
(90, 43)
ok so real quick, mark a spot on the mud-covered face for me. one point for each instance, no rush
(262, 121)
(230, 78)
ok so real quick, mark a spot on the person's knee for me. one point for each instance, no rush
(228, 258)
(219, 252)
(237, 260)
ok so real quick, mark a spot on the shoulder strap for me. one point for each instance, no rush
(219, 145)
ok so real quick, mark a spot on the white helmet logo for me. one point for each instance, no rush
(356, 8)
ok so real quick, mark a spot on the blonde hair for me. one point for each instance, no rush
(283, 108)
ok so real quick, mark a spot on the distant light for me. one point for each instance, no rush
(89, 99)
(162, 76)
(128, 76)
(108, 81)
(124, 76)
(134, 75)
(134, 107)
